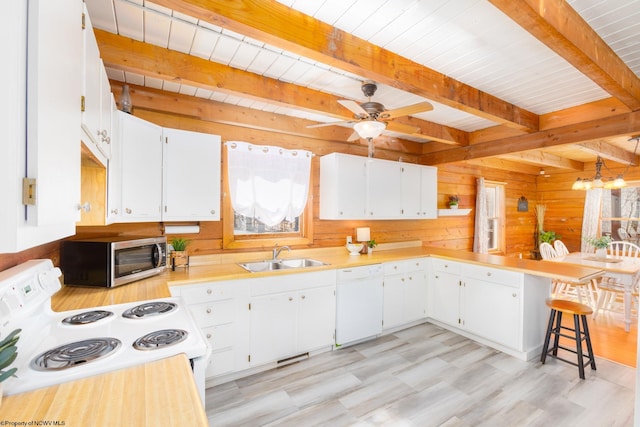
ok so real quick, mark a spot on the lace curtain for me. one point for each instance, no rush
(481, 235)
(266, 182)
(591, 218)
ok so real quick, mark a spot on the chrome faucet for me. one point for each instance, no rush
(276, 251)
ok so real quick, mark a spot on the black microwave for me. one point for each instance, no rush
(112, 261)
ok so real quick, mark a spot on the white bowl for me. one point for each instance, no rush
(354, 248)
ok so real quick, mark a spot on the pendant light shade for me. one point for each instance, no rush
(369, 128)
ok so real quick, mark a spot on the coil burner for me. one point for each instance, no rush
(160, 339)
(87, 317)
(154, 308)
(75, 353)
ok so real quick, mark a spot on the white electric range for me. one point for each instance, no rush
(56, 347)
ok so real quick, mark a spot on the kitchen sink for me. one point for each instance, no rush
(281, 264)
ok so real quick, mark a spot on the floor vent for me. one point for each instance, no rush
(292, 359)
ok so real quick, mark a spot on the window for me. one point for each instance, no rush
(266, 200)
(495, 216)
(621, 212)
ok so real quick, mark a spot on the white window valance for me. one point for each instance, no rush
(266, 182)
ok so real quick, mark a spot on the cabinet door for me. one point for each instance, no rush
(273, 327)
(429, 192)
(416, 296)
(92, 65)
(343, 187)
(444, 300)
(384, 180)
(411, 191)
(492, 311)
(141, 162)
(316, 318)
(191, 176)
(393, 313)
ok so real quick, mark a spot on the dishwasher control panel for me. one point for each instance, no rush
(360, 272)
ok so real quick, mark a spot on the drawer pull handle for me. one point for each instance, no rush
(514, 295)
(303, 297)
(290, 298)
(488, 273)
(209, 291)
(208, 336)
(209, 310)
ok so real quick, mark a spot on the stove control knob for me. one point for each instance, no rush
(48, 280)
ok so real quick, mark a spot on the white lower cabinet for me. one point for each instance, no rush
(220, 310)
(501, 308)
(405, 292)
(291, 315)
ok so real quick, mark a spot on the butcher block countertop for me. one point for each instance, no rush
(139, 396)
(225, 267)
(172, 399)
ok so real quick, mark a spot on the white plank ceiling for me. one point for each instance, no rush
(469, 40)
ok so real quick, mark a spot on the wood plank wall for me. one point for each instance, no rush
(451, 232)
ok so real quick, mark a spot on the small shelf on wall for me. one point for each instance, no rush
(453, 212)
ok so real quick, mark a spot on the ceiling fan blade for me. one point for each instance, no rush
(319, 125)
(354, 107)
(402, 128)
(420, 107)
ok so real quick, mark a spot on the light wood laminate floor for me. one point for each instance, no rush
(425, 376)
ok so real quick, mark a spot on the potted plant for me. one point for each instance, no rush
(601, 244)
(453, 201)
(370, 245)
(548, 236)
(179, 257)
(8, 353)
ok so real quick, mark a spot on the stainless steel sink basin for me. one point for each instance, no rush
(302, 263)
(271, 265)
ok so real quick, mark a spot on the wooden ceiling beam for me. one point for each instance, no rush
(126, 54)
(562, 29)
(540, 158)
(610, 152)
(155, 100)
(288, 29)
(619, 125)
(505, 164)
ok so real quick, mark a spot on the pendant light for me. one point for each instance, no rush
(598, 181)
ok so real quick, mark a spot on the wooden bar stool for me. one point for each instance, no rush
(555, 328)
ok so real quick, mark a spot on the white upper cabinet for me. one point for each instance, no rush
(96, 98)
(162, 174)
(384, 179)
(141, 169)
(43, 144)
(191, 189)
(355, 187)
(343, 186)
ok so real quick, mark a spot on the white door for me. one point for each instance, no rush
(492, 311)
(393, 309)
(316, 318)
(141, 162)
(416, 295)
(384, 181)
(411, 191)
(429, 192)
(444, 301)
(273, 327)
(191, 176)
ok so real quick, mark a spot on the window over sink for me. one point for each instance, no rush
(267, 197)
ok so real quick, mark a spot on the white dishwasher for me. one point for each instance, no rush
(358, 303)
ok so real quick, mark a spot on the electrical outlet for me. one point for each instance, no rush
(349, 240)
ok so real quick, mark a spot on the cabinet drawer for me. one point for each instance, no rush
(208, 292)
(220, 336)
(394, 267)
(446, 266)
(213, 313)
(417, 264)
(493, 275)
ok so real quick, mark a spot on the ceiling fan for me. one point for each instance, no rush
(371, 118)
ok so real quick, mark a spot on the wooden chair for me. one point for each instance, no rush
(583, 293)
(633, 235)
(624, 249)
(560, 247)
(580, 333)
(610, 289)
(547, 251)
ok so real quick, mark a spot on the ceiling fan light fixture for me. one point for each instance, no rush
(369, 128)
